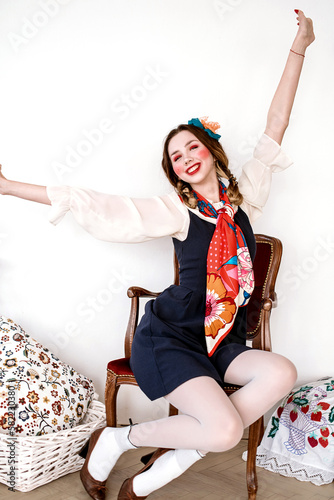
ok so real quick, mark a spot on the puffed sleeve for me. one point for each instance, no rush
(119, 218)
(255, 180)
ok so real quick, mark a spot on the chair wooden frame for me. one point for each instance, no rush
(258, 332)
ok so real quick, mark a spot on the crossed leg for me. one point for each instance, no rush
(265, 378)
(210, 421)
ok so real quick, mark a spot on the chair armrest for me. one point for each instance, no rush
(269, 303)
(261, 336)
(274, 299)
(136, 291)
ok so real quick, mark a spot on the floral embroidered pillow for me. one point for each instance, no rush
(39, 394)
(299, 439)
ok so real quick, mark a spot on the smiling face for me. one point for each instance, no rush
(192, 162)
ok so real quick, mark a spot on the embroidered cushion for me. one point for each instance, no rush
(299, 439)
(39, 394)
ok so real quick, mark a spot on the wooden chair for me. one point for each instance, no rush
(266, 266)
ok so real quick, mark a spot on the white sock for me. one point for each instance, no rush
(168, 467)
(109, 447)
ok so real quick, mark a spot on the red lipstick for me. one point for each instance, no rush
(195, 170)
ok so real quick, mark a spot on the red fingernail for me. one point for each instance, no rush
(296, 11)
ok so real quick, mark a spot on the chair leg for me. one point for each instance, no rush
(173, 411)
(110, 397)
(253, 441)
(261, 431)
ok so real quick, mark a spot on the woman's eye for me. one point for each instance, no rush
(177, 158)
(194, 147)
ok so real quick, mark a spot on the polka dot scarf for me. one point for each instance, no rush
(230, 278)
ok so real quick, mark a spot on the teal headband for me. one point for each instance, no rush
(209, 127)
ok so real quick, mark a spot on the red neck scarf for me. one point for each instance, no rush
(230, 278)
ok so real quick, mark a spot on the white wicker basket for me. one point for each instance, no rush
(41, 459)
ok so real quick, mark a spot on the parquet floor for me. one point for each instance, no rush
(220, 476)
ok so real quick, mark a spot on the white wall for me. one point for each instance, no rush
(135, 69)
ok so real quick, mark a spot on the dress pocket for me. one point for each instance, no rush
(172, 305)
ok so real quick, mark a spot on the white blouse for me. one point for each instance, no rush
(132, 220)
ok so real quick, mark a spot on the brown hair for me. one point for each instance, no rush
(221, 161)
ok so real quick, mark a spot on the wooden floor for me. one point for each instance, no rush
(218, 476)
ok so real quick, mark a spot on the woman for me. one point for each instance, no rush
(193, 336)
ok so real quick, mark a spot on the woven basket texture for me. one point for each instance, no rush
(41, 459)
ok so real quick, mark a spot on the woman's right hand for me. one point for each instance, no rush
(30, 192)
(3, 182)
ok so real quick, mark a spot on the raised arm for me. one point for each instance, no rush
(29, 192)
(280, 108)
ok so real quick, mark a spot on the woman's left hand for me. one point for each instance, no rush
(305, 35)
(281, 106)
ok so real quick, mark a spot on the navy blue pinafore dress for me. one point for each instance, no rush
(169, 346)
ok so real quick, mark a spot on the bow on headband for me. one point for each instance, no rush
(209, 127)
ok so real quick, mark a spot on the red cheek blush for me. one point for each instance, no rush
(203, 153)
(177, 169)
